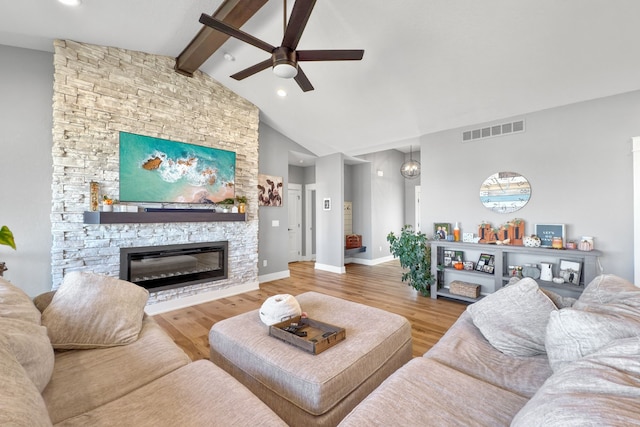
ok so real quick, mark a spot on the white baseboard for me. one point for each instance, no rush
(274, 276)
(331, 268)
(364, 261)
(163, 307)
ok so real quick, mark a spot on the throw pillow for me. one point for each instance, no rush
(608, 288)
(91, 310)
(16, 304)
(514, 318)
(573, 334)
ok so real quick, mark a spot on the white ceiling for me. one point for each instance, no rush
(429, 65)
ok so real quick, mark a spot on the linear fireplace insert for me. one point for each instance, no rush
(165, 267)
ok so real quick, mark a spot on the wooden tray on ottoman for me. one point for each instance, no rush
(320, 336)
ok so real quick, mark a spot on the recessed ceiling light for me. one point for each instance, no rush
(281, 92)
(229, 57)
(71, 2)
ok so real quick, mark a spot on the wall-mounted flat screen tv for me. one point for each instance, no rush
(163, 171)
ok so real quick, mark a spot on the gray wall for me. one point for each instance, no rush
(330, 223)
(577, 159)
(274, 154)
(387, 200)
(26, 88)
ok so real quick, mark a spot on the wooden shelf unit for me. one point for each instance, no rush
(505, 255)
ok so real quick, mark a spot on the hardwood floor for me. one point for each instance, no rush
(377, 286)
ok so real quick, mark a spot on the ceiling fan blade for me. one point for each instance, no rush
(330, 55)
(303, 81)
(297, 21)
(253, 69)
(234, 32)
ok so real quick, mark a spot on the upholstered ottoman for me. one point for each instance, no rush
(306, 389)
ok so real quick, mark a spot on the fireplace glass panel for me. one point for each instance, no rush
(164, 267)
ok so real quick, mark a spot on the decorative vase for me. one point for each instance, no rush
(585, 245)
(242, 207)
(546, 271)
(532, 241)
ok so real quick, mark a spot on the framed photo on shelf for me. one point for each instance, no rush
(546, 233)
(452, 257)
(441, 230)
(486, 263)
(570, 271)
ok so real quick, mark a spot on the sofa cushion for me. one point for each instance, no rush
(465, 349)
(198, 394)
(16, 304)
(602, 389)
(20, 401)
(30, 345)
(426, 393)
(90, 310)
(514, 318)
(86, 379)
(22, 335)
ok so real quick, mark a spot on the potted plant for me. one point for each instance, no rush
(6, 238)
(414, 253)
(226, 203)
(242, 203)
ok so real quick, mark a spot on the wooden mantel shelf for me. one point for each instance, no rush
(159, 217)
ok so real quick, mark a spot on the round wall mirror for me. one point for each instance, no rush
(505, 192)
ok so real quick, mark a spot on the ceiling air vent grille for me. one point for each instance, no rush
(492, 131)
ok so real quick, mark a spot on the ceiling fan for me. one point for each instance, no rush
(284, 58)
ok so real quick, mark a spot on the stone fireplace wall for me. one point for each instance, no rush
(99, 91)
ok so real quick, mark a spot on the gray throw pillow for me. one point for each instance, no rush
(514, 318)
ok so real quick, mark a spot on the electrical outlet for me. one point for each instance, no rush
(380, 248)
(264, 262)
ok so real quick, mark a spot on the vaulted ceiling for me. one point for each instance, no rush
(429, 65)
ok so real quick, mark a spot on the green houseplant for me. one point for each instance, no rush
(6, 237)
(414, 253)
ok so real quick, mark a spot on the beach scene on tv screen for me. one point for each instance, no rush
(164, 171)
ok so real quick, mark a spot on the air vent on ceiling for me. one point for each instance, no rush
(494, 130)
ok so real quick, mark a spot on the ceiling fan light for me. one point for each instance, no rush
(285, 71)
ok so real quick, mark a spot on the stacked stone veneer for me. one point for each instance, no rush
(99, 91)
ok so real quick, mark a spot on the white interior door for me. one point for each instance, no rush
(295, 222)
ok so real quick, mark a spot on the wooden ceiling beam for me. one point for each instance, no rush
(208, 40)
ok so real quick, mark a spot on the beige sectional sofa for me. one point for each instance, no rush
(87, 355)
(523, 356)
(92, 357)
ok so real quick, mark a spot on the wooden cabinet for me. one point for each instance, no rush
(503, 257)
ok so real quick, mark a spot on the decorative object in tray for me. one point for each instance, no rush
(310, 335)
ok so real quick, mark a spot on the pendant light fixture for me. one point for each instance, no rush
(411, 168)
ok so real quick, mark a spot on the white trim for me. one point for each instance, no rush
(274, 276)
(163, 307)
(365, 261)
(635, 148)
(330, 268)
(307, 222)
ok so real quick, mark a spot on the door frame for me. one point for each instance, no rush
(308, 220)
(297, 203)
